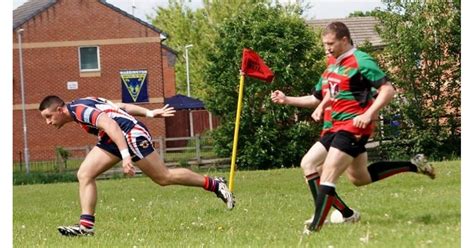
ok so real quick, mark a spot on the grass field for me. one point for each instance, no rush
(407, 210)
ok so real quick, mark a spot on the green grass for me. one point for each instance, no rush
(407, 210)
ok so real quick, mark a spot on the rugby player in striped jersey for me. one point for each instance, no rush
(121, 137)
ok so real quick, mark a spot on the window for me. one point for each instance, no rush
(89, 59)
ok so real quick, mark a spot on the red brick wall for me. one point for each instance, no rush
(47, 70)
(169, 60)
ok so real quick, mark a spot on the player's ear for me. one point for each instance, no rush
(345, 39)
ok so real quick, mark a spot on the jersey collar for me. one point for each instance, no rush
(345, 55)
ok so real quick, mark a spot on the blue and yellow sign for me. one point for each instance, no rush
(134, 86)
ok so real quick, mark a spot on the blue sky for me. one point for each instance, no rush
(321, 9)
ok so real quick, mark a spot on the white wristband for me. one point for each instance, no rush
(124, 153)
(149, 114)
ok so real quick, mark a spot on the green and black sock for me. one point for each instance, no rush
(383, 169)
(339, 204)
(324, 202)
(313, 182)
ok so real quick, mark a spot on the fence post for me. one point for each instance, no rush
(21, 160)
(162, 148)
(59, 161)
(381, 130)
(198, 148)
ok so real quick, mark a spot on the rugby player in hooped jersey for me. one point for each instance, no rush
(314, 157)
(120, 137)
(351, 76)
(357, 170)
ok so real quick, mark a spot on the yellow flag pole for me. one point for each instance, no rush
(236, 134)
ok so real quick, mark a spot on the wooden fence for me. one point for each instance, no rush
(196, 150)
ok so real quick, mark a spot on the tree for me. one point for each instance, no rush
(270, 135)
(422, 53)
(182, 25)
(198, 28)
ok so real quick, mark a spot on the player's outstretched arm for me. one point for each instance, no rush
(135, 110)
(309, 101)
(166, 111)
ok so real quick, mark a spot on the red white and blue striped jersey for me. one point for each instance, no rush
(86, 111)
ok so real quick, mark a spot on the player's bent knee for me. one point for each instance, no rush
(309, 167)
(162, 180)
(357, 182)
(162, 183)
(304, 164)
(306, 167)
(83, 176)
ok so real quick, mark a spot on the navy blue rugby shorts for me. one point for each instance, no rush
(138, 141)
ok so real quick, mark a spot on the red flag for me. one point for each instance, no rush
(254, 66)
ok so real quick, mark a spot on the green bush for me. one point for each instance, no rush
(270, 135)
(43, 178)
(437, 148)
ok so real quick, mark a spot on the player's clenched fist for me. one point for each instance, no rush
(278, 97)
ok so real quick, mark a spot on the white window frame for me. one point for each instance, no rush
(80, 62)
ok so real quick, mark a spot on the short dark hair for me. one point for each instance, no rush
(50, 100)
(339, 29)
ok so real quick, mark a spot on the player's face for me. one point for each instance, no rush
(54, 116)
(334, 46)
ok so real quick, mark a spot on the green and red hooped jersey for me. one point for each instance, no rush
(349, 80)
(320, 91)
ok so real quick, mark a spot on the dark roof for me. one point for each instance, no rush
(169, 49)
(32, 8)
(183, 102)
(362, 28)
(28, 10)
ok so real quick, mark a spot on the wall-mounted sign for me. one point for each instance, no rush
(72, 85)
(134, 86)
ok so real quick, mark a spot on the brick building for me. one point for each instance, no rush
(57, 35)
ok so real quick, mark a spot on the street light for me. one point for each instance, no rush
(187, 68)
(25, 137)
(191, 124)
(133, 8)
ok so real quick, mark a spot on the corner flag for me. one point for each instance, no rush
(252, 66)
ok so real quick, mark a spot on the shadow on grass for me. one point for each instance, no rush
(436, 219)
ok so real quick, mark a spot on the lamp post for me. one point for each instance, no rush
(188, 87)
(22, 83)
(133, 8)
(187, 68)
